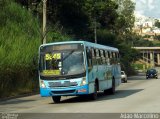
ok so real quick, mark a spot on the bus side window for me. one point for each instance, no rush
(103, 56)
(106, 54)
(118, 57)
(97, 53)
(111, 56)
(89, 57)
(114, 58)
(93, 56)
(98, 57)
(108, 58)
(114, 55)
(92, 51)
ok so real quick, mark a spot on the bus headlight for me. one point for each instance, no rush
(42, 85)
(83, 81)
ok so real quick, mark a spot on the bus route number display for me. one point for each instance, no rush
(51, 72)
(52, 56)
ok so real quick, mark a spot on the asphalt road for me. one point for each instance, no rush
(138, 95)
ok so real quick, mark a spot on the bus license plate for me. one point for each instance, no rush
(60, 84)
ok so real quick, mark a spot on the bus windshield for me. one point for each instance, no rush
(62, 63)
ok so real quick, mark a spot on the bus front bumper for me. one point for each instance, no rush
(68, 91)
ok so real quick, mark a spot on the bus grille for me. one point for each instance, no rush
(63, 92)
(59, 84)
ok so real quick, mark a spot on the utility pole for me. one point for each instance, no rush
(44, 20)
(95, 22)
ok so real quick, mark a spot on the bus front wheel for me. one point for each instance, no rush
(56, 99)
(93, 96)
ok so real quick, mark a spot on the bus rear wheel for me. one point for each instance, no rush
(113, 89)
(106, 91)
(56, 99)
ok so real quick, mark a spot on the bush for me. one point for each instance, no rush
(19, 42)
(138, 66)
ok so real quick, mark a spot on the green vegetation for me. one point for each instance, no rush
(19, 41)
(141, 67)
(138, 66)
(157, 23)
(157, 37)
(20, 34)
(156, 43)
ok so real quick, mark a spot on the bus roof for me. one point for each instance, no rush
(85, 43)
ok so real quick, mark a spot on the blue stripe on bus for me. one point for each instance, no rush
(64, 91)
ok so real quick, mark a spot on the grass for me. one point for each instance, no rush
(156, 43)
(19, 42)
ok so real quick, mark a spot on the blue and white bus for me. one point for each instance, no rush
(76, 68)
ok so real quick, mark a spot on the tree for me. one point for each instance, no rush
(78, 18)
(128, 56)
(157, 37)
(157, 23)
(125, 21)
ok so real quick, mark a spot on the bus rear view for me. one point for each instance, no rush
(62, 70)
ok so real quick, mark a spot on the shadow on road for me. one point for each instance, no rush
(137, 78)
(15, 101)
(141, 78)
(102, 96)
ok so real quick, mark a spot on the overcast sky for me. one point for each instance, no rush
(150, 8)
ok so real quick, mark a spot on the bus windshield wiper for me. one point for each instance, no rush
(68, 55)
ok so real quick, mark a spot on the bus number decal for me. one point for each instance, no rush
(57, 56)
(52, 56)
(48, 57)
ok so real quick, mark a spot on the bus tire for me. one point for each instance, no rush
(56, 99)
(106, 91)
(113, 89)
(93, 96)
